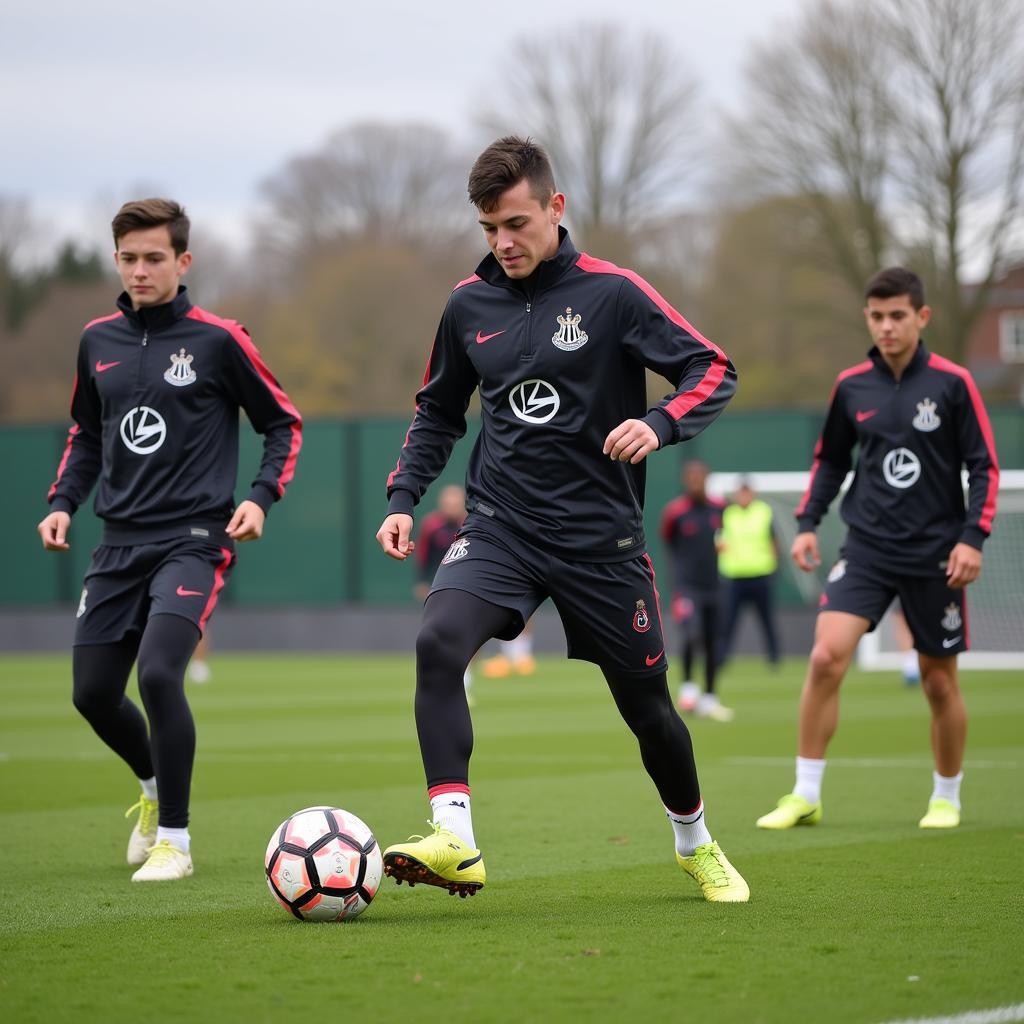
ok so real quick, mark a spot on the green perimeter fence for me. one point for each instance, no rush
(319, 547)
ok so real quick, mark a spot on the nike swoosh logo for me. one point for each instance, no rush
(182, 592)
(654, 661)
(469, 863)
(951, 643)
(481, 338)
(862, 416)
(101, 367)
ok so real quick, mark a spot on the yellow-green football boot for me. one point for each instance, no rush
(718, 879)
(441, 859)
(941, 814)
(143, 835)
(789, 811)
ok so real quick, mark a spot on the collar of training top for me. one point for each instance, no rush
(154, 317)
(543, 277)
(918, 362)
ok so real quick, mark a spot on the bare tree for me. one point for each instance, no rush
(618, 115)
(371, 182)
(901, 125)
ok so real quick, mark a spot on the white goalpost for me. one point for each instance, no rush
(995, 602)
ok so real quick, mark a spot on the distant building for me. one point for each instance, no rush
(995, 351)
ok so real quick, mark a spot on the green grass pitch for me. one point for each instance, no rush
(861, 919)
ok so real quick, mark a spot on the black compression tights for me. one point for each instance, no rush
(665, 747)
(455, 626)
(100, 673)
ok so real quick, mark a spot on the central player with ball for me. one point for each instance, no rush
(556, 342)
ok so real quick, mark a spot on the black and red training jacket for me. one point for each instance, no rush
(914, 438)
(559, 361)
(156, 410)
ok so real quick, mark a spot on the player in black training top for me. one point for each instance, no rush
(689, 529)
(917, 421)
(156, 407)
(556, 343)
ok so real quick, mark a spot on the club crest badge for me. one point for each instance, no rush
(952, 620)
(456, 551)
(180, 372)
(926, 419)
(641, 620)
(838, 571)
(569, 337)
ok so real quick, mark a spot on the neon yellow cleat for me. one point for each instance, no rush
(719, 880)
(791, 810)
(941, 814)
(441, 859)
(144, 833)
(166, 863)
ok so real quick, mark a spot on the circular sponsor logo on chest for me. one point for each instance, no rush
(534, 401)
(901, 468)
(143, 430)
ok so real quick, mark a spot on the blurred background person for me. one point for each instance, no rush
(748, 558)
(689, 526)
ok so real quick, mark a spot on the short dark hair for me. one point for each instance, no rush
(894, 281)
(151, 213)
(505, 163)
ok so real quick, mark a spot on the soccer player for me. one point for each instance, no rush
(748, 559)
(155, 408)
(689, 526)
(556, 343)
(917, 420)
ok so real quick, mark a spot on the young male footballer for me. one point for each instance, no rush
(556, 343)
(155, 406)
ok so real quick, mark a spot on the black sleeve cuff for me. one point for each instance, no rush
(401, 501)
(62, 504)
(974, 537)
(262, 496)
(805, 524)
(663, 425)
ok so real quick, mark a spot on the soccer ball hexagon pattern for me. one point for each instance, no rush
(323, 864)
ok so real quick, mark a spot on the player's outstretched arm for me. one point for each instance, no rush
(631, 441)
(393, 536)
(247, 522)
(54, 531)
(964, 565)
(805, 551)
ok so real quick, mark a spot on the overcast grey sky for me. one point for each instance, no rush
(204, 98)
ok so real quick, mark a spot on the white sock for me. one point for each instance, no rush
(947, 788)
(690, 830)
(451, 807)
(809, 771)
(148, 788)
(178, 837)
(506, 648)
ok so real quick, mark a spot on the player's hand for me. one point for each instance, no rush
(54, 531)
(393, 536)
(964, 566)
(247, 522)
(805, 551)
(631, 441)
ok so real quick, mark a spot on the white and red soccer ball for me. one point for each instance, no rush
(323, 864)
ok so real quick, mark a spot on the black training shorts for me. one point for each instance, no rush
(124, 586)
(936, 614)
(609, 610)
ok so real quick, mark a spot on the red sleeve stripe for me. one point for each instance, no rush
(72, 434)
(467, 280)
(218, 585)
(988, 512)
(681, 404)
(851, 371)
(252, 353)
(103, 320)
(654, 587)
(426, 377)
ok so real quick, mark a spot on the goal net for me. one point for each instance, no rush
(995, 601)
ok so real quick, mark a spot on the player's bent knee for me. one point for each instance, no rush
(438, 645)
(827, 664)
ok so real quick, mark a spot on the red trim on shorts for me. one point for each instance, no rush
(654, 586)
(447, 787)
(218, 586)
